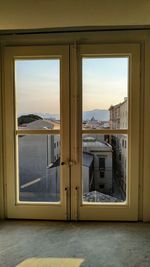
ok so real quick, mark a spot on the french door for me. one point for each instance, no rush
(72, 131)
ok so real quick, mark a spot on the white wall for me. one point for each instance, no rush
(32, 14)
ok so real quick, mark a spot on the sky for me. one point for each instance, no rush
(37, 83)
(105, 82)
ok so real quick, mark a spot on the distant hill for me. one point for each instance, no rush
(98, 114)
(49, 116)
(28, 118)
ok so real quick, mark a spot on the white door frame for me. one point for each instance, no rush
(78, 210)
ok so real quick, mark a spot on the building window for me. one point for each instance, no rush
(102, 174)
(125, 143)
(102, 167)
(101, 186)
(101, 164)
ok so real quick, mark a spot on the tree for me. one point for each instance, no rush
(28, 118)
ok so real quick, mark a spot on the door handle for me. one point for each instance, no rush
(68, 163)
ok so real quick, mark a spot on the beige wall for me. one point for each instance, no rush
(30, 14)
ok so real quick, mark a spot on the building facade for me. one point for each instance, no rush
(102, 164)
(119, 120)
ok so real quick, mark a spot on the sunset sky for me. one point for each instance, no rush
(105, 82)
(37, 83)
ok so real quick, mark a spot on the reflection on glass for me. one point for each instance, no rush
(37, 84)
(105, 93)
(104, 167)
(39, 168)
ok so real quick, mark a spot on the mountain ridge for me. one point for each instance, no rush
(98, 114)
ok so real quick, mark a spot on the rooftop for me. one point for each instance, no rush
(41, 124)
(94, 144)
(96, 196)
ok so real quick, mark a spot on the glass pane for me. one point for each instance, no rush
(37, 83)
(104, 167)
(39, 168)
(105, 93)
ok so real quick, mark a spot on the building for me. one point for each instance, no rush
(37, 155)
(115, 117)
(119, 120)
(87, 172)
(92, 123)
(124, 114)
(102, 164)
(95, 124)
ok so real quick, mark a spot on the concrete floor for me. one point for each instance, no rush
(96, 244)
